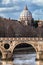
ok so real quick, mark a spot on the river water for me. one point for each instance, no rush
(23, 59)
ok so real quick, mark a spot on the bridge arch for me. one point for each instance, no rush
(29, 43)
(25, 43)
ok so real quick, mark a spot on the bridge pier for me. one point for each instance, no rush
(39, 55)
(3, 56)
(7, 56)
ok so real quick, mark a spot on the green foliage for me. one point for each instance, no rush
(35, 24)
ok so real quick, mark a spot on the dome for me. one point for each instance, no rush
(25, 15)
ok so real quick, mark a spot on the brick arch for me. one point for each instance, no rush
(26, 43)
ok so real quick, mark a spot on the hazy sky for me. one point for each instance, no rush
(13, 8)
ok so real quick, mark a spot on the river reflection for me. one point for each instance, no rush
(6, 63)
(39, 63)
(28, 59)
(12, 63)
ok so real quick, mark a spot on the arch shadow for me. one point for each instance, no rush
(24, 45)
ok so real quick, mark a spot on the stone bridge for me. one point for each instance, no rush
(7, 45)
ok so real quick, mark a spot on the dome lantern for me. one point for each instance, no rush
(25, 8)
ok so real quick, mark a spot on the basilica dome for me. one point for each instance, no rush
(26, 15)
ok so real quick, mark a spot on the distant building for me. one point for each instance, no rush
(24, 27)
(25, 16)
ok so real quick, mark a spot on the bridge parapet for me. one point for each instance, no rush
(21, 38)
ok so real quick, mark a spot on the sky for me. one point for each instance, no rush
(13, 8)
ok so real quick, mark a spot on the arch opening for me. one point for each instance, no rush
(24, 52)
(6, 46)
(0, 55)
(24, 48)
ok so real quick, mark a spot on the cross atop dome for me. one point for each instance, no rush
(25, 8)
